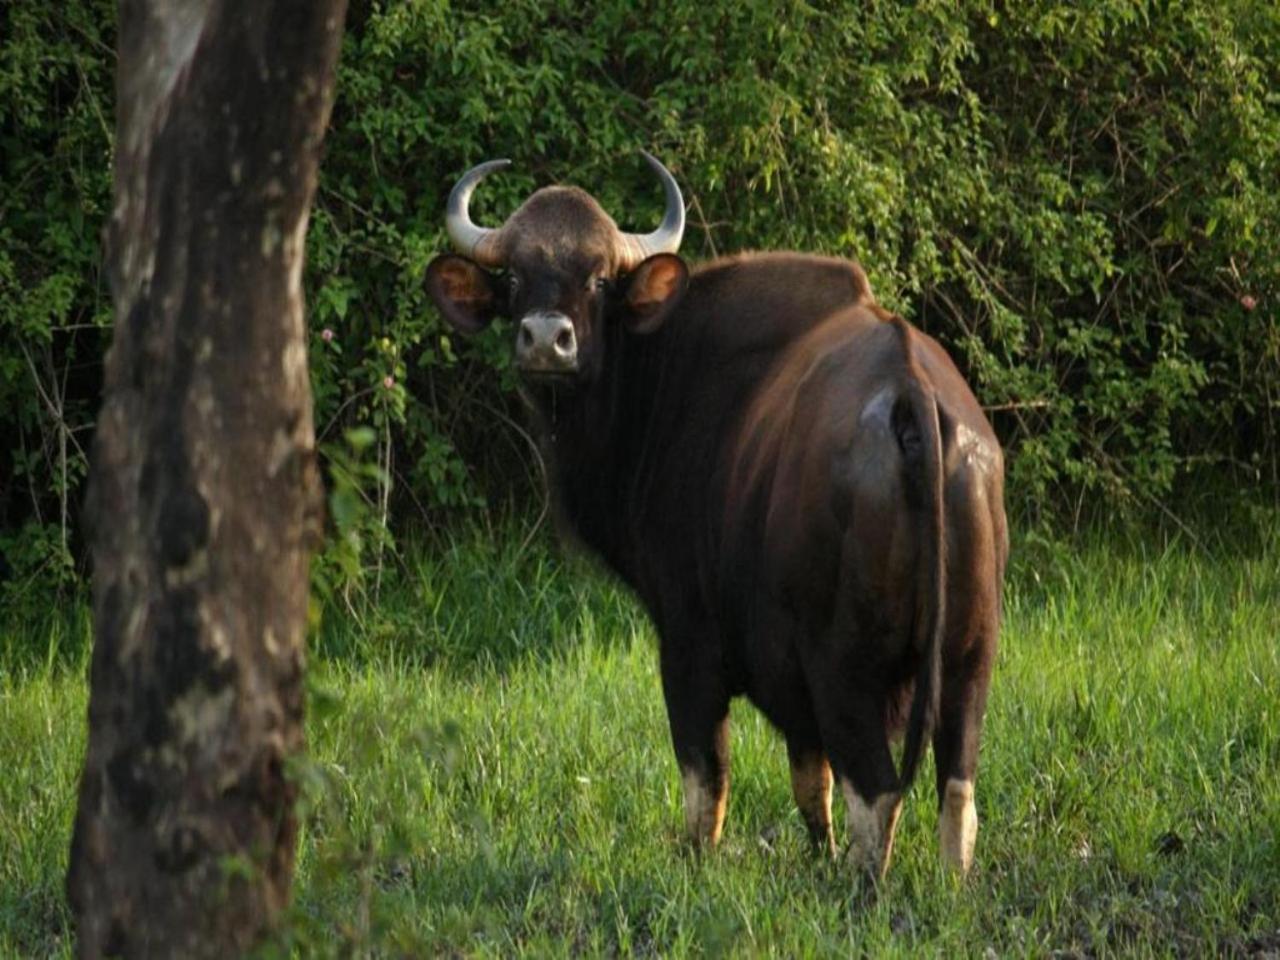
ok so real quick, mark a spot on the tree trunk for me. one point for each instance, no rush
(204, 494)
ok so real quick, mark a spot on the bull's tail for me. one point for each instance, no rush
(916, 424)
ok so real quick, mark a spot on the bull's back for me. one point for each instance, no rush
(809, 437)
(741, 317)
(762, 303)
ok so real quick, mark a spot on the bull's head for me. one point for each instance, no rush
(562, 270)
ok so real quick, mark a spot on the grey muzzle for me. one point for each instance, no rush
(546, 343)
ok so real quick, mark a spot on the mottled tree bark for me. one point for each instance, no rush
(204, 495)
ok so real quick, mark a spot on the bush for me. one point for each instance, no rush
(1076, 198)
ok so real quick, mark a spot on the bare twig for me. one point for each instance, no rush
(706, 227)
(384, 500)
(55, 411)
(537, 459)
(31, 483)
(959, 318)
(1017, 405)
(407, 487)
(87, 90)
(1147, 496)
(985, 276)
(73, 327)
(345, 403)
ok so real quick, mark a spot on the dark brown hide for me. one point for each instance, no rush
(839, 534)
(799, 487)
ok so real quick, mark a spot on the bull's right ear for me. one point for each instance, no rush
(463, 290)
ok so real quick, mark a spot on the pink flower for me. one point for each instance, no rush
(1248, 302)
(326, 334)
(388, 381)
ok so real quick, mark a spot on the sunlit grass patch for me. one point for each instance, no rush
(490, 773)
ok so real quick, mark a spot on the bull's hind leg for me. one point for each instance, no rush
(955, 751)
(976, 565)
(852, 719)
(973, 623)
(873, 803)
(698, 711)
(811, 785)
(872, 825)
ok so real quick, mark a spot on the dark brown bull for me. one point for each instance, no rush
(799, 487)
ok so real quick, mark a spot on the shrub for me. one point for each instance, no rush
(1076, 198)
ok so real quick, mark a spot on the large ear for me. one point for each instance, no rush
(463, 291)
(653, 290)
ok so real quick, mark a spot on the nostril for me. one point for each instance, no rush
(564, 340)
(526, 336)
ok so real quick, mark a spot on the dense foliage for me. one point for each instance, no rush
(1078, 199)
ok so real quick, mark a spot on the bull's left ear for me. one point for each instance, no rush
(653, 289)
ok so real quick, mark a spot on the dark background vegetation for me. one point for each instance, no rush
(1079, 200)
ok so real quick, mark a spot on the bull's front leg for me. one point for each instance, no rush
(698, 711)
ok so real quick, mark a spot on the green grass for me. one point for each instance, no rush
(490, 774)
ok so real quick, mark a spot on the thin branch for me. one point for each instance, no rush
(104, 49)
(407, 487)
(702, 219)
(537, 459)
(87, 89)
(1017, 405)
(346, 403)
(73, 327)
(1116, 467)
(55, 410)
(959, 318)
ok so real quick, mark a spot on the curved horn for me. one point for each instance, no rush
(479, 243)
(666, 239)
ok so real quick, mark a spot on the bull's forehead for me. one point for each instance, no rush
(562, 228)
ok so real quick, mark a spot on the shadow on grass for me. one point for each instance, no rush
(544, 902)
(45, 641)
(475, 602)
(488, 599)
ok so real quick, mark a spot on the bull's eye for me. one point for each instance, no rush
(513, 283)
(598, 284)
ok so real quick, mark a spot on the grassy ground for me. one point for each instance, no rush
(490, 774)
